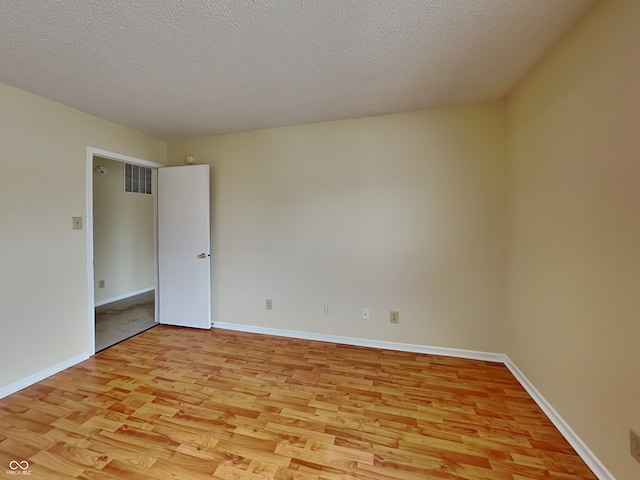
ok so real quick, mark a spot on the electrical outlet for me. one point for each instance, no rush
(394, 317)
(635, 445)
(269, 304)
(365, 314)
(327, 312)
(101, 283)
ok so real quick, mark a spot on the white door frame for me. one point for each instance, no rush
(91, 152)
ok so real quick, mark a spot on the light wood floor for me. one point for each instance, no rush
(177, 403)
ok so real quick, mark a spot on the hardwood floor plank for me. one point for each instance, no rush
(179, 403)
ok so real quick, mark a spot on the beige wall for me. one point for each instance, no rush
(43, 293)
(573, 326)
(401, 212)
(123, 235)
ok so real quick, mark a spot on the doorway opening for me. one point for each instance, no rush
(121, 247)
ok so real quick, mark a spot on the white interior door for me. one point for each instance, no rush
(184, 281)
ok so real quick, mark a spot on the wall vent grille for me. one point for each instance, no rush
(137, 179)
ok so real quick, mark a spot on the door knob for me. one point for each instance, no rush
(203, 255)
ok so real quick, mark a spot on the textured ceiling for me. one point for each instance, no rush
(177, 69)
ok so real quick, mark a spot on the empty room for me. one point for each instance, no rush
(382, 240)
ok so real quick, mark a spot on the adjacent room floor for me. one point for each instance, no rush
(202, 404)
(123, 319)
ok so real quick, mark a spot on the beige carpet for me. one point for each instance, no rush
(123, 319)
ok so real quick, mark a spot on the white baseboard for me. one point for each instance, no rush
(41, 375)
(567, 432)
(403, 347)
(122, 297)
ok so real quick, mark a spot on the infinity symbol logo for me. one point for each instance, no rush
(23, 465)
